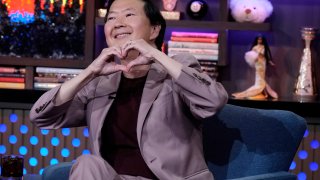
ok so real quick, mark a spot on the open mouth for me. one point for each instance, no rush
(122, 35)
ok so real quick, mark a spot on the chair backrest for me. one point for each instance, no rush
(241, 141)
(57, 172)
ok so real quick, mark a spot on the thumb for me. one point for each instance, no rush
(119, 67)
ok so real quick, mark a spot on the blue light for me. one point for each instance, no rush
(23, 150)
(306, 133)
(44, 131)
(34, 140)
(76, 142)
(24, 171)
(313, 166)
(54, 161)
(314, 144)
(41, 171)
(23, 17)
(66, 131)
(2, 149)
(12, 139)
(23, 129)
(55, 141)
(293, 165)
(303, 154)
(302, 176)
(3, 128)
(85, 151)
(44, 151)
(33, 161)
(65, 152)
(13, 118)
(86, 132)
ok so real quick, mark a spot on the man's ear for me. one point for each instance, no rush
(155, 30)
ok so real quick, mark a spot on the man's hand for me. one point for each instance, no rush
(145, 53)
(105, 63)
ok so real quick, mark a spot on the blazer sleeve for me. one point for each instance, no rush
(47, 115)
(203, 95)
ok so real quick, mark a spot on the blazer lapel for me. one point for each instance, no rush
(151, 90)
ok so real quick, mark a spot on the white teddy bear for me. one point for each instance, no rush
(255, 11)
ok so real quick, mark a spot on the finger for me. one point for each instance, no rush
(119, 67)
(128, 46)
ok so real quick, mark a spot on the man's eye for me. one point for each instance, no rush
(110, 18)
(129, 14)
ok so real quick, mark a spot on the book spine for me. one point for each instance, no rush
(197, 45)
(11, 75)
(58, 70)
(12, 70)
(12, 85)
(50, 79)
(194, 34)
(190, 39)
(39, 85)
(12, 79)
(200, 56)
(194, 51)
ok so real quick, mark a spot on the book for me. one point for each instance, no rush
(12, 85)
(12, 79)
(58, 70)
(51, 79)
(11, 75)
(194, 51)
(40, 85)
(194, 34)
(199, 56)
(12, 70)
(198, 45)
(194, 39)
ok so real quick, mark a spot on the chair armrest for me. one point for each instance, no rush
(281, 175)
(58, 171)
(32, 177)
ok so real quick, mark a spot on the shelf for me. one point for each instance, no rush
(22, 96)
(15, 61)
(216, 25)
(305, 109)
(25, 98)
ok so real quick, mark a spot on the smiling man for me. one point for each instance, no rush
(144, 111)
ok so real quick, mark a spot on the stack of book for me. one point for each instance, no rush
(49, 77)
(204, 46)
(12, 77)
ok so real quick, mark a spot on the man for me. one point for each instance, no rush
(144, 113)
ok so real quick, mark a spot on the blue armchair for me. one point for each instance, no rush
(239, 143)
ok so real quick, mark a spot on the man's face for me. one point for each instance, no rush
(127, 21)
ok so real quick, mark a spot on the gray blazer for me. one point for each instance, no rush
(169, 121)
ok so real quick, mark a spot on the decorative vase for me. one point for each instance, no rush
(305, 85)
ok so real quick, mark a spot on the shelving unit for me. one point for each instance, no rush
(31, 63)
(94, 42)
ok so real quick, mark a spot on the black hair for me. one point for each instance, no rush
(267, 52)
(153, 14)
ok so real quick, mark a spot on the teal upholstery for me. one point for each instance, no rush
(240, 143)
(244, 142)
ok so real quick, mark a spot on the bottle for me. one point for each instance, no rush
(197, 9)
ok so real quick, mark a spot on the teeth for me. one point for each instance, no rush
(122, 35)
